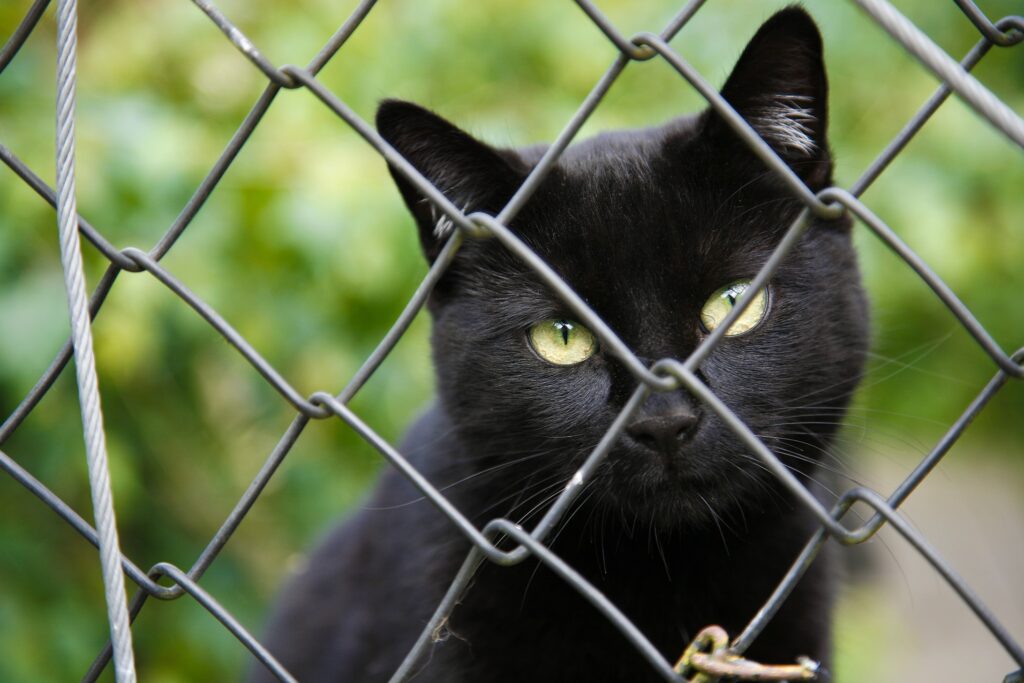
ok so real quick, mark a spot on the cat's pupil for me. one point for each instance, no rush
(564, 328)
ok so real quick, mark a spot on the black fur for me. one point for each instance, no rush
(644, 225)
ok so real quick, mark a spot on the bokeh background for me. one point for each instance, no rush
(306, 249)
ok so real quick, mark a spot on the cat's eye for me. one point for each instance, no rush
(562, 342)
(724, 300)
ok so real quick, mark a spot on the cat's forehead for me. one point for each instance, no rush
(613, 156)
(654, 196)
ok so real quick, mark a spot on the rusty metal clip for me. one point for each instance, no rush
(708, 659)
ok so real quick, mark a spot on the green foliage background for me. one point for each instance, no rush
(306, 248)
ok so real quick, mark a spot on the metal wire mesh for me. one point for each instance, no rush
(666, 374)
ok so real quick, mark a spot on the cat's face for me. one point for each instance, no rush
(648, 227)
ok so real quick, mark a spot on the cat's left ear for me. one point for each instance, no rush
(779, 87)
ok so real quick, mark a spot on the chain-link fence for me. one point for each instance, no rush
(714, 655)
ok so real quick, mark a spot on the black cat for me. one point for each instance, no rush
(659, 230)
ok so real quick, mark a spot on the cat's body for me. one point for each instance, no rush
(680, 527)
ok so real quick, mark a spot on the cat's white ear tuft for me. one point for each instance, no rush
(443, 225)
(787, 122)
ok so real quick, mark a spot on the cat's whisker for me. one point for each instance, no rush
(524, 519)
(820, 465)
(921, 351)
(661, 551)
(803, 444)
(865, 439)
(717, 519)
(578, 505)
(490, 470)
(764, 483)
(546, 494)
(553, 482)
(860, 413)
(922, 371)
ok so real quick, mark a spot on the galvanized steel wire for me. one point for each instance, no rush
(665, 374)
(81, 335)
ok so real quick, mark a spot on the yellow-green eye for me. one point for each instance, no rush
(722, 302)
(562, 342)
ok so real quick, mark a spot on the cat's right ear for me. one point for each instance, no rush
(779, 87)
(471, 174)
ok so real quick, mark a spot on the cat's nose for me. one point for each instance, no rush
(665, 431)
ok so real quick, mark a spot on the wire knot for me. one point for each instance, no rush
(708, 659)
